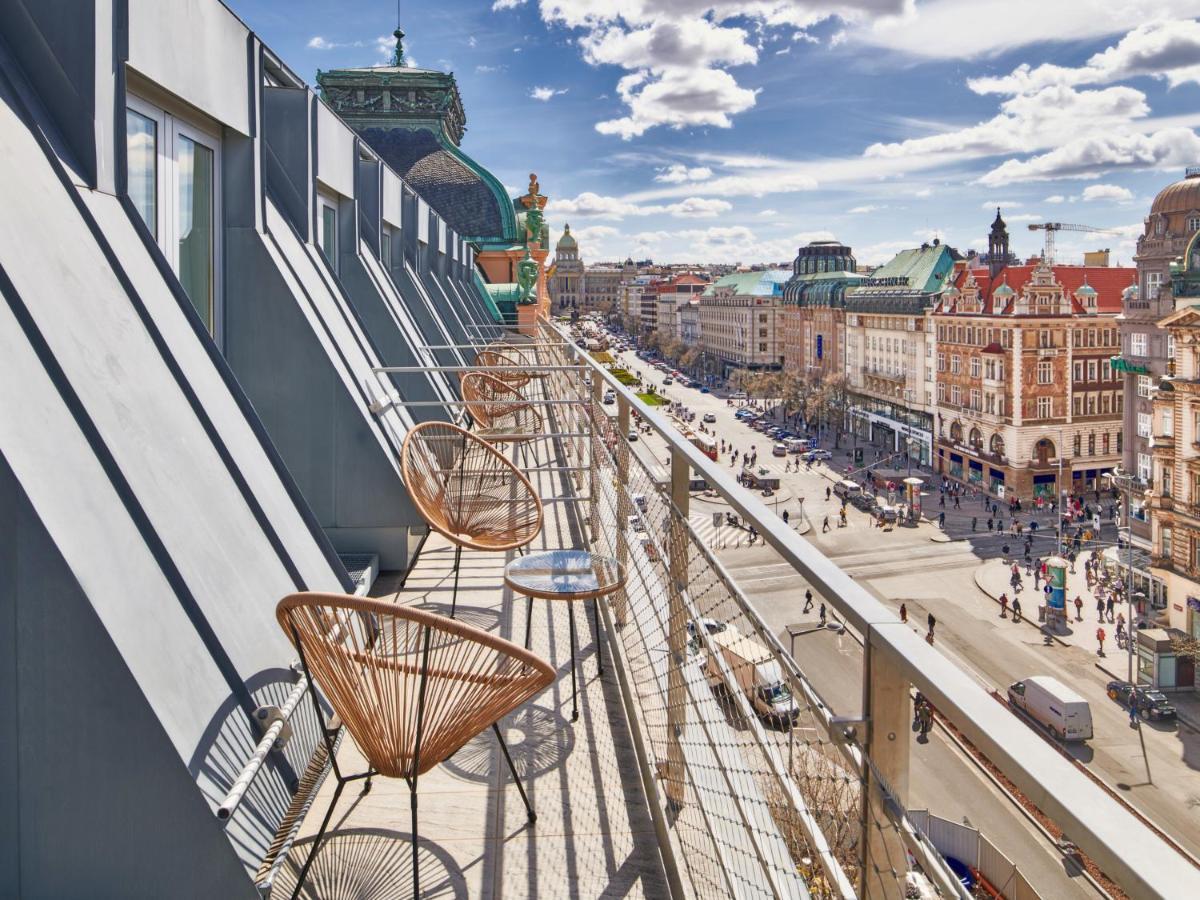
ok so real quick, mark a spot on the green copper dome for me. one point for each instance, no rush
(566, 241)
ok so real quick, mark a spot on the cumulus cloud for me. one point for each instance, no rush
(1055, 198)
(1090, 157)
(864, 209)
(1005, 204)
(489, 70)
(678, 98)
(506, 4)
(1106, 192)
(1165, 50)
(319, 43)
(677, 173)
(545, 93)
(591, 205)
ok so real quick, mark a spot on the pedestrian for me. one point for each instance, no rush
(821, 615)
(925, 713)
(974, 522)
(807, 600)
(903, 612)
(1078, 607)
(1037, 572)
(956, 506)
(1004, 606)
(825, 525)
(989, 525)
(826, 492)
(942, 519)
(1016, 609)
(786, 517)
(1109, 607)
(932, 622)
(1100, 610)
(942, 499)
(1100, 641)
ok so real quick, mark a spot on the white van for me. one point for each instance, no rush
(738, 395)
(1052, 704)
(757, 674)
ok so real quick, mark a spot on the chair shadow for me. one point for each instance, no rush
(538, 740)
(369, 864)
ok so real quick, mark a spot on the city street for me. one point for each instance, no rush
(896, 565)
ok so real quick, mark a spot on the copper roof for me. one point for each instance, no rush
(1182, 196)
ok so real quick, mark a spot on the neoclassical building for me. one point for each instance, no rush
(1174, 219)
(566, 280)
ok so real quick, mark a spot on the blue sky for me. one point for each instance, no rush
(721, 131)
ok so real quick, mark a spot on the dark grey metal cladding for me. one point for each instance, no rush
(148, 531)
(383, 313)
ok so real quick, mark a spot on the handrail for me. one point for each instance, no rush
(253, 765)
(1120, 844)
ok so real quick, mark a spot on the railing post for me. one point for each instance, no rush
(620, 605)
(595, 453)
(887, 709)
(677, 578)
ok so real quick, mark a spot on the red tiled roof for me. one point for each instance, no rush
(1108, 282)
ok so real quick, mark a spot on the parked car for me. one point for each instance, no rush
(632, 435)
(668, 381)
(779, 450)
(738, 395)
(1054, 706)
(712, 626)
(703, 390)
(814, 455)
(610, 398)
(1150, 704)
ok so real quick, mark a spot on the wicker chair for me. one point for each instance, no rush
(467, 491)
(410, 686)
(508, 368)
(498, 408)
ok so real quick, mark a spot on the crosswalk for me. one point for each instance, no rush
(724, 535)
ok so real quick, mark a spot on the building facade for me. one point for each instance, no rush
(1025, 383)
(567, 279)
(1174, 218)
(889, 349)
(738, 320)
(811, 314)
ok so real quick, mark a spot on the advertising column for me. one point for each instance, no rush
(1056, 596)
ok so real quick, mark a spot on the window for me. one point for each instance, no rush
(955, 364)
(1045, 338)
(976, 365)
(1143, 464)
(956, 395)
(1091, 445)
(1164, 542)
(173, 180)
(976, 402)
(1078, 370)
(1137, 343)
(1045, 407)
(1193, 224)
(1092, 369)
(141, 152)
(1143, 424)
(1045, 372)
(941, 392)
(1168, 423)
(385, 247)
(1078, 446)
(1153, 281)
(327, 239)
(1106, 371)
(1145, 386)
(1170, 346)
(1168, 481)
(1077, 405)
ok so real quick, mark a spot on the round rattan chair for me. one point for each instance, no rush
(410, 686)
(508, 368)
(498, 408)
(466, 490)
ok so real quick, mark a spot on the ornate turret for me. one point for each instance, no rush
(997, 245)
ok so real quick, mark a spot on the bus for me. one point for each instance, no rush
(705, 444)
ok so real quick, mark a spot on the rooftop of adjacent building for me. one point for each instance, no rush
(764, 283)
(1107, 284)
(1181, 196)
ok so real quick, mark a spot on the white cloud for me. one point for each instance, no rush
(591, 205)
(864, 209)
(1165, 50)
(994, 26)
(319, 43)
(1025, 217)
(767, 213)
(923, 192)
(1090, 157)
(545, 93)
(490, 70)
(1005, 204)
(1106, 192)
(678, 98)
(677, 173)
(471, 42)
(1055, 198)
(878, 254)
(506, 4)
(594, 234)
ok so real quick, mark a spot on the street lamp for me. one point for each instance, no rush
(1058, 501)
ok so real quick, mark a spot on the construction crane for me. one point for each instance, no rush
(1051, 227)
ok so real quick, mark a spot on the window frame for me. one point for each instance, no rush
(170, 127)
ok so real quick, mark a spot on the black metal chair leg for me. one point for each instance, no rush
(412, 792)
(457, 566)
(513, 770)
(574, 687)
(312, 854)
(528, 623)
(599, 655)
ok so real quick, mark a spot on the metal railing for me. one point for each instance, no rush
(751, 809)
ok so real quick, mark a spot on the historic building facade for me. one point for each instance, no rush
(738, 320)
(1174, 218)
(1025, 382)
(889, 356)
(601, 288)
(567, 275)
(811, 313)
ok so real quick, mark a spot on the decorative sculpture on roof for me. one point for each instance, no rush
(535, 219)
(527, 277)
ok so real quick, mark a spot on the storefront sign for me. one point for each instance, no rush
(1178, 608)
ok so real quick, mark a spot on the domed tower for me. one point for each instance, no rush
(997, 245)
(566, 287)
(1174, 218)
